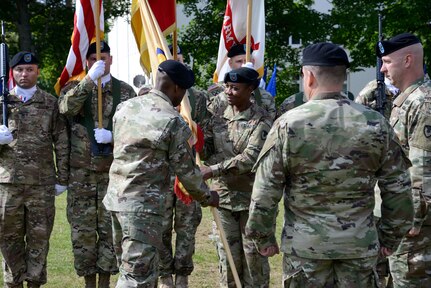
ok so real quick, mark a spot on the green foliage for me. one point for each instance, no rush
(201, 37)
(355, 24)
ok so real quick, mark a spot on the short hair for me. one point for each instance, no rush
(332, 75)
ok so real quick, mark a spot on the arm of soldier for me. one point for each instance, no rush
(61, 143)
(244, 162)
(267, 192)
(73, 96)
(420, 156)
(181, 161)
(394, 183)
(420, 175)
(269, 103)
(207, 128)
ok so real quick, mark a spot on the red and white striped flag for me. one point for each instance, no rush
(234, 31)
(84, 30)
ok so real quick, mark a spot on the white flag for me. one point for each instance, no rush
(234, 31)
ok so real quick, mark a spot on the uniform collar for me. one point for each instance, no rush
(403, 95)
(162, 95)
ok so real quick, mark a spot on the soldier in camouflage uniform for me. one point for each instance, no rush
(291, 102)
(367, 96)
(151, 142)
(186, 217)
(28, 177)
(260, 96)
(91, 157)
(325, 157)
(296, 100)
(402, 58)
(233, 139)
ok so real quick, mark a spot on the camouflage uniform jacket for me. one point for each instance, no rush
(411, 120)
(71, 103)
(232, 145)
(291, 102)
(38, 129)
(266, 100)
(326, 157)
(150, 139)
(368, 94)
(198, 103)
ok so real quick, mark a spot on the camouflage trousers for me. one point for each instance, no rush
(90, 223)
(137, 238)
(26, 220)
(312, 273)
(412, 270)
(253, 269)
(184, 219)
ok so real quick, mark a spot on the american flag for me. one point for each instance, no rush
(84, 30)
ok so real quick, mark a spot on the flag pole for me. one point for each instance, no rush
(175, 36)
(99, 82)
(248, 35)
(223, 238)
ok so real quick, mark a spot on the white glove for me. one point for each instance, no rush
(97, 70)
(102, 136)
(59, 189)
(248, 65)
(5, 135)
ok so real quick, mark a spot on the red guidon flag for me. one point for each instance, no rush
(84, 30)
(234, 31)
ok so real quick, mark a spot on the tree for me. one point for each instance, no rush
(200, 38)
(45, 28)
(355, 24)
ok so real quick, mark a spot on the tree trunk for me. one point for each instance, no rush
(23, 26)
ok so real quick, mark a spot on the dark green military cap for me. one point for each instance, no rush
(23, 57)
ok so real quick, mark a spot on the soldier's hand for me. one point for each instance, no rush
(414, 232)
(102, 136)
(385, 252)
(97, 70)
(270, 251)
(59, 189)
(5, 135)
(213, 201)
(206, 172)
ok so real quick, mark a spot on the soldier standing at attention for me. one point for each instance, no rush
(91, 157)
(402, 58)
(233, 139)
(28, 177)
(237, 58)
(151, 142)
(182, 218)
(326, 157)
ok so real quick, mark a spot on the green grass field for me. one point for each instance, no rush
(60, 258)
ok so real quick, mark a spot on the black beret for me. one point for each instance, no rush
(397, 42)
(179, 52)
(324, 54)
(237, 49)
(179, 73)
(23, 57)
(104, 48)
(242, 75)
